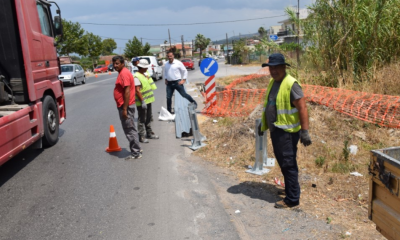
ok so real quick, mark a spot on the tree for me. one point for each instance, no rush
(146, 50)
(95, 47)
(133, 48)
(262, 32)
(201, 42)
(73, 39)
(109, 45)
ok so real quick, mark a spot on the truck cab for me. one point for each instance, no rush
(31, 97)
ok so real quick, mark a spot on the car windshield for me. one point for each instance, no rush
(67, 68)
(100, 66)
(148, 59)
(185, 60)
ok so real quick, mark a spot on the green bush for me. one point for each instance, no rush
(320, 161)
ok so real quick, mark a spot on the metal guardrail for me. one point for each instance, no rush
(262, 159)
(182, 119)
(197, 136)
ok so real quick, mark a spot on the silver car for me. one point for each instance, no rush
(72, 74)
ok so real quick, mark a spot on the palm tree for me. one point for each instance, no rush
(261, 31)
(201, 42)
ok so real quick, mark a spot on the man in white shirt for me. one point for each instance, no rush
(175, 75)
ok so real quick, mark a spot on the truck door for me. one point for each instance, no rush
(49, 55)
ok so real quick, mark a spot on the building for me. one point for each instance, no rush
(164, 48)
(288, 30)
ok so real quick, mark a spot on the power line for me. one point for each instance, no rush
(177, 24)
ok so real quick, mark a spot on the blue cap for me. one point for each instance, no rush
(135, 59)
(276, 59)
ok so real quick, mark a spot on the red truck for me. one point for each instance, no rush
(32, 101)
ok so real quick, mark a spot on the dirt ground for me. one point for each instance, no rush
(328, 192)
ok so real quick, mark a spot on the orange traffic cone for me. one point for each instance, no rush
(109, 73)
(95, 75)
(113, 143)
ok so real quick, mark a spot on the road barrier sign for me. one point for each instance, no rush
(210, 89)
(209, 67)
(273, 37)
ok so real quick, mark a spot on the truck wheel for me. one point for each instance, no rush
(74, 83)
(51, 121)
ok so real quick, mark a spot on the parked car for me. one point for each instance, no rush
(72, 74)
(188, 63)
(111, 67)
(101, 69)
(156, 71)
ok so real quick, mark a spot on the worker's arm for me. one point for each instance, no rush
(301, 106)
(125, 106)
(138, 93)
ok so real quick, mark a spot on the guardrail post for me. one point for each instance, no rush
(261, 154)
(197, 136)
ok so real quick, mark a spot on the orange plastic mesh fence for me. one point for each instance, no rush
(383, 110)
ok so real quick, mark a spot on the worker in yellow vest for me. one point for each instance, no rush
(285, 115)
(144, 100)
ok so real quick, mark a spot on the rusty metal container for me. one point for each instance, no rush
(384, 187)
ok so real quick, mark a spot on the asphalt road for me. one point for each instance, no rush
(75, 190)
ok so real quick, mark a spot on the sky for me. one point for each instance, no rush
(174, 12)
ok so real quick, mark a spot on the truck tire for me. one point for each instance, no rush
(51, 121)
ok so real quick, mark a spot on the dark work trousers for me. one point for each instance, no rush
(171, 87)
(285, 149)
(145, 117)
(130, 129)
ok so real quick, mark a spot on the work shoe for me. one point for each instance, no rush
(143, 139)
(131, 157)
(283, 204)
(152, 136)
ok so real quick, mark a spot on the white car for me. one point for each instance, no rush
(72, 74)
(155, 70)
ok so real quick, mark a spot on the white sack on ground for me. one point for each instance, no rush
(165, 115)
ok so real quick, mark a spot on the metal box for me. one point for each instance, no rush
(384, 199)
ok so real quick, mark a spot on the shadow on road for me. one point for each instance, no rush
(17, 163)
(263, 191)
(122, 154)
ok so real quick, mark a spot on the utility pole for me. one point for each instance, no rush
(227, 49)
(192, 48)
(298, 34)
(183, 47)
(169, 35)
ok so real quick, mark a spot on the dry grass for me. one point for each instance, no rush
(383, 81)
(224, 81)
(338, 196)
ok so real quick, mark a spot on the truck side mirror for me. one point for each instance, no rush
(58, 29)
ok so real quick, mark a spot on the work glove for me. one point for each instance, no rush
(260, 133)
(144, 106)
(305, 139)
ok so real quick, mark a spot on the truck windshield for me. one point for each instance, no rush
(67, 69)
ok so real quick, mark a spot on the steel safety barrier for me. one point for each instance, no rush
(262, 159)
(198, 138)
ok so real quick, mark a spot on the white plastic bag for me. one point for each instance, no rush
(165, 115)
